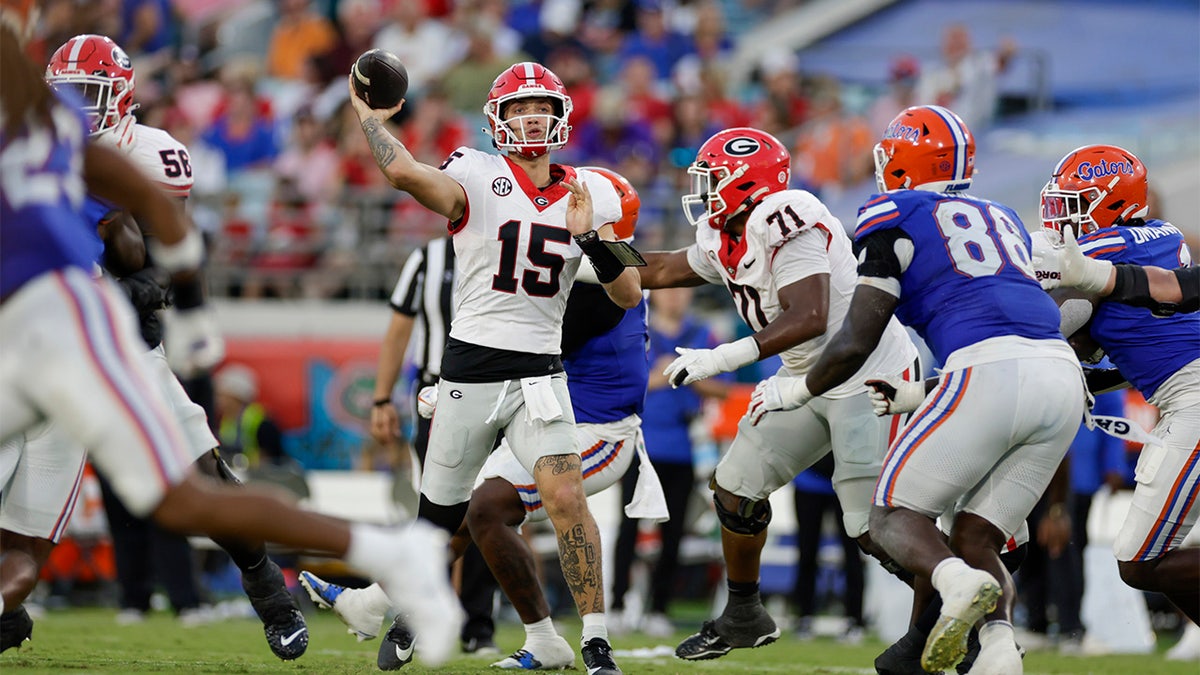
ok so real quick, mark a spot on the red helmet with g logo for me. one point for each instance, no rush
(100, 73)
(734, 170)
(631, 203)
(549, 131)
(926, 147)
(1093, 187)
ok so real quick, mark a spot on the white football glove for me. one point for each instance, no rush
(192, 341)
(698, 364)
(1080, 271)
(894, 395)
(427, 401)
(1046, 259)
(777, 393)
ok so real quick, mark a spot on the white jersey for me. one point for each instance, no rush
(162, 158)
(789, 236)
(515, 259)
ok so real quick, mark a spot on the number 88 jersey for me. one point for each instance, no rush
(515, 260)
(959, 265)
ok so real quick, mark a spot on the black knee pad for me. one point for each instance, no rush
(750, 519)
(449, 518)
(1012, 559)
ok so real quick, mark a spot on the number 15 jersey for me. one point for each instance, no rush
(514, 257)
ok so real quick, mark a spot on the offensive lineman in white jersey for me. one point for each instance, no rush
(520, 227)
(96, 68)
(787, 262)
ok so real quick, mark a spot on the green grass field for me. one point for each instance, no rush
(89, 641)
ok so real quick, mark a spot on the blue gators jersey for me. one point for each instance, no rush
(607, 376)
(969, 278)
(1147, 349)
(41, 226)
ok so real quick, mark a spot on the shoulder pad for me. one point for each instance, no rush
(783, 215)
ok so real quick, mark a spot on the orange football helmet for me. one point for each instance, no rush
(1093, 187)
(734, 170)
(527, 80)
(631, 203)
(926, 147)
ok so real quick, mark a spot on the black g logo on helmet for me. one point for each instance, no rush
(742, 146)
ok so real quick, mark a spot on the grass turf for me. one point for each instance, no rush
(90, 641)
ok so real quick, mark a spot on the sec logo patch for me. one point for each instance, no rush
(502, 186)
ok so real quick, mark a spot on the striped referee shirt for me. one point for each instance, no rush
(423, 292)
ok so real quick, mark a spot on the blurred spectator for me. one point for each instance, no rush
(783, 105)
(666, 426)
(300, 35)
(1053, 572)
(506, 42)
(469, 81)
(722, 110)
(433, 129)
(833, 149)
(965, 81)
(612, 134)
(903, 72)
(570, 62)
(711, 45)
(691, 126)
(641, 93)
(309, 161)
(654, 41)
(814, 497)
(357, 22)
(555, 25)
(420, 41)
(148, 26)
(248, 435)
(243, 132)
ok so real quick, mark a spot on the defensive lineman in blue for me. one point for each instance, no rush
(1102, 190)
(986, 441)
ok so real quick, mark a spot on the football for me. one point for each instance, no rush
(379, 78)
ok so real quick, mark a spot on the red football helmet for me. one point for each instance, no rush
(631, 203)
(1093, 187)
(926, 147)
(101, 73)
(734, 170)
(528, 80)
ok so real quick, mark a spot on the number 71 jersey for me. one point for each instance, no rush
(969, 277)
(514, 257)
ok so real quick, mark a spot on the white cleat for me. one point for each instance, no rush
(419, 585)
(359, 608)
(1188, 647)
(540, 655)
(998, 658)
(967, 595)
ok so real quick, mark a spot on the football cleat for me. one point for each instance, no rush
(15, 628)
(362, 618)
(903, 657)
(540, 655)
(744, 625)
(598, 659)
(966, 597)
(419, 585)
(481, 646)
(396, 649)
(283, 623)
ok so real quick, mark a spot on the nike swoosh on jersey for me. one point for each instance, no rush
(291, 638)
(747, 265)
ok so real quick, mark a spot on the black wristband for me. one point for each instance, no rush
(1189, 287)
(381, 401)
(608, 266)
(188, 294)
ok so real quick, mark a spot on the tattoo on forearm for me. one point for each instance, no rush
(559, 464)
(381, 142)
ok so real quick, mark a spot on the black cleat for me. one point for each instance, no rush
(903, 657)
(598, 659)
(283, 623)
(480, 645)
(744, 626)
(15, 627)
(396, 648)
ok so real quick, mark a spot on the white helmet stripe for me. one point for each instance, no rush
(529, 72)
(75, 49)
(960, 140)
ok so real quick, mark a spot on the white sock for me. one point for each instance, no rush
(376, 599)
(540, 629)
(372, 549)
(949, 564)
(594, 627)
(997, 631)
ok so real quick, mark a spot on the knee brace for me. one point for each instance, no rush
(751, 517)
(449, 518)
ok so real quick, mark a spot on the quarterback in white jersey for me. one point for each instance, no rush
(788, 264)
(520, 226)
